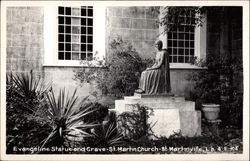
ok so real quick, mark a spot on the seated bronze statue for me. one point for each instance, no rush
(156, 79)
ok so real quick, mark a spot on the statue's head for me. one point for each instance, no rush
(158, 44)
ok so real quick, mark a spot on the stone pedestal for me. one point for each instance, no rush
(171, 114)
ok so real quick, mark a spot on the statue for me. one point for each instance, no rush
(156, 79)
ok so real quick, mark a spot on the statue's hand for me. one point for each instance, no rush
(148, 69)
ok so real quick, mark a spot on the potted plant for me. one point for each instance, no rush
(211, 111)
(207, 87)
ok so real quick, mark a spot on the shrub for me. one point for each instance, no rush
(134, 125)
(66, 117)
(215, 85)
(100, 112)
(120, 73)
(25, 98)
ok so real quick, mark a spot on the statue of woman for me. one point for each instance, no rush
(156, 79)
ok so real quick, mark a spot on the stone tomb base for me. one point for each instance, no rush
(171, 114)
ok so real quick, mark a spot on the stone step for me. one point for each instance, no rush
(123, 105)
(136, 99)
(153, 96)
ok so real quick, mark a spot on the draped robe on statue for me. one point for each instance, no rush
(157, 79)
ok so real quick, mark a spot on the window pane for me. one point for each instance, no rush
(83, 39)
(61, 29)
(181, 44)
(180, 59)
(75, 21)
(60, 20)
(83, 30)
(90, 56)
(61, 10)
(90, 22)
(191, 36)
(75, 56)
(90, 47)
(90, 12)
(61, 46)
(83, 56)
(174, 35)
(186, 43)
(83, 21)
(191, 51)
(68, 47)
(174, 59)
(181, 52)
(175, 51)
(90, 39)
(75, 38)
(192, 44)
(187, 28)
(61, 56)
(67, 56)
(174, 43)
(75, 47)
(68, 20)
(186, 59)
(186, 51)
(192, 29)
(83, 47)
(90, 30)
(68, 29)
(181, 36)
(75, 29)
(68, 11)
(75, 11)
(61, 38)
(170, 43)
(68, 38)
(83, 12)
(170, 51)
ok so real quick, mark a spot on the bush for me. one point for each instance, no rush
(215, 85)
(134, 125)
(25, 98)
(121, 73)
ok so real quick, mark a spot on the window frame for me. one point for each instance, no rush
(51, 37)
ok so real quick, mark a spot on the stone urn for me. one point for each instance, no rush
(211, 111)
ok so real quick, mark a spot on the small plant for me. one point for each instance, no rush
(66, 119)
(106, 135)
(134, 125)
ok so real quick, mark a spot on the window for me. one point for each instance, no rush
(73, 34)
(185, 41)
(181, 40)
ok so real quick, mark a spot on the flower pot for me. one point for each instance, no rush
(211, 111)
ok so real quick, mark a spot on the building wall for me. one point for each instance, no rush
(134, 24)
(24, 39)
